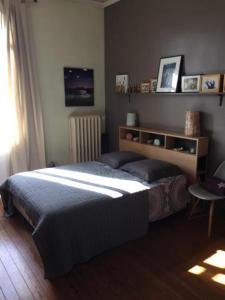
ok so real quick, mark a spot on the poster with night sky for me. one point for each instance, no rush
(79, 86)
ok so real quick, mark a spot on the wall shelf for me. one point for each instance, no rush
(219, 95)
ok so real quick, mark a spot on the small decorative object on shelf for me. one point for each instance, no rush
(192, 123)
(211, 83)
(156, 142)
(122, 84)
(129, 136)
(169, 74)
(146, 87)
(136, 139)
(131, 119)
(150, 142)
(178, 149)
(191, 84)
(192, 150)
(153, 85)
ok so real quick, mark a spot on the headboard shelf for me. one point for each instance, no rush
(174, 147)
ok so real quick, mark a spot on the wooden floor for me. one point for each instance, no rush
(152, 268)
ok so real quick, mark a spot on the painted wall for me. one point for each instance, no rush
(65, 33)
(137, 34)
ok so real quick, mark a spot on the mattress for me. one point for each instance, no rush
(167, 196)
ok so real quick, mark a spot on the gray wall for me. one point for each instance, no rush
(137, 34)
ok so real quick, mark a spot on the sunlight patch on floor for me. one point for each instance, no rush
(217, 259)
(219, 278)
(197, 270)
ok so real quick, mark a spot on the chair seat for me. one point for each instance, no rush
(199, 192)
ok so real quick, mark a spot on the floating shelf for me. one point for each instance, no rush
(220, 95)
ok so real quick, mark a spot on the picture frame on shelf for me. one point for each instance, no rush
(122, 84)
(223, 83)
(169, 74)
(211, 83)
(154, 85)
(145, 87)
(191, 84)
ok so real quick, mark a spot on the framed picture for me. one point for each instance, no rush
(153, 85)
(223, 83)
(79, 86)
(122, 84)
(191, 84)
(169, 74)
(145, 87)
(211, 83)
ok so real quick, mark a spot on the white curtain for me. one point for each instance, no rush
(21, 123)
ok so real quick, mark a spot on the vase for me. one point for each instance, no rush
(192, 123)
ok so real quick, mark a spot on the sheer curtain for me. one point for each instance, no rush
(21, 124)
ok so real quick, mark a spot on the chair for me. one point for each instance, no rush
(201, 194)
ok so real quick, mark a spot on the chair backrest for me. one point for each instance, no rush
(220, 172)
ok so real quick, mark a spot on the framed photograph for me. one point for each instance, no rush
(211, 83)
(122, 84)
(79, 86)
(145, 87)
(223, 83)
(153, 85)
(169, 74)
(191, 84)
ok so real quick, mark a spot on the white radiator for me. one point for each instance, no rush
(85, 137)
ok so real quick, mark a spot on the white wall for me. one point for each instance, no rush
(65, 33)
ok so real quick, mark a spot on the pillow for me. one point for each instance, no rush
(151, 169)
(214, 185)
(117, 159)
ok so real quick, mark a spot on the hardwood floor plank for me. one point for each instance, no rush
(28, 260)
(13, 272)
(24, 267)
(6, 285)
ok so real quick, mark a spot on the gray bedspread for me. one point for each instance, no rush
(78, 211)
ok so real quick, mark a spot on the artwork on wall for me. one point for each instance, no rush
(191, 84)
(211, 83)
(122, 84)
(169, 73)
(79, 86)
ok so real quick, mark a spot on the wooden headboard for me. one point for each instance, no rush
(192, 159)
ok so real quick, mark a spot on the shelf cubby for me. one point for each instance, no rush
(149, 138)
(174, 143)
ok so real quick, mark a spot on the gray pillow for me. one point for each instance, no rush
(117, 159)
(151, 169)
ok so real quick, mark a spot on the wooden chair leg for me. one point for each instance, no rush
(196, 203)
(211, 210)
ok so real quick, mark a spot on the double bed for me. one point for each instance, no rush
(78, 211)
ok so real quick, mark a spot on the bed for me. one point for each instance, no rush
(78, 211)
